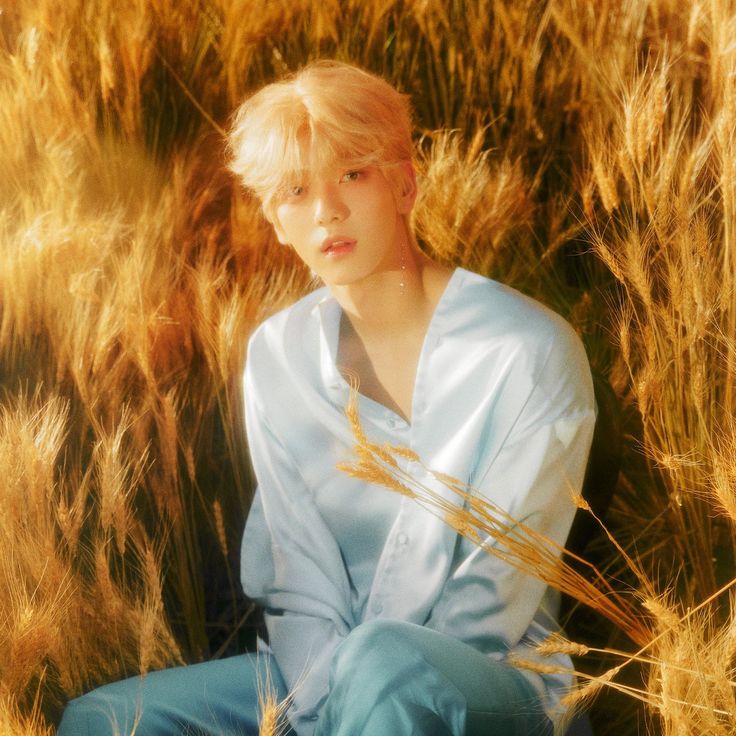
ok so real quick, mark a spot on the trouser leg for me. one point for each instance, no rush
(210, 699)
(391, 677)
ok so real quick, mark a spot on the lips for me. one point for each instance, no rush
(337, 245)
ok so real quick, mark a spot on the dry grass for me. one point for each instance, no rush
(582, 152)
(76, 607)
(273, 721)
(489, 526)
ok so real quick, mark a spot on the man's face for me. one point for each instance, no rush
(345, 224)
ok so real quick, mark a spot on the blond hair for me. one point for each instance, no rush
(327, 112)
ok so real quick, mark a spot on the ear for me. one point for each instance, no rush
(406, 191)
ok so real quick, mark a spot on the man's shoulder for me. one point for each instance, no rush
(501, 314)
(518, 337)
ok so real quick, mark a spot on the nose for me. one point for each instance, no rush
(329, 207)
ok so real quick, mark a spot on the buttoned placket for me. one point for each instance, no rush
(398, 432)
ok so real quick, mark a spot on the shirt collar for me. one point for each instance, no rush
(329, 314)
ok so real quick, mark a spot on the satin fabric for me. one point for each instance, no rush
(503, 400)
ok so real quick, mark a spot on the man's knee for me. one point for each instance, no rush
(381, 683)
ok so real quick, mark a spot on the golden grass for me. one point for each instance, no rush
(488, 525)
(582, 152)
(273, 720)
(71, 614)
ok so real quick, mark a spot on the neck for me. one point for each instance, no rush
(395, 301)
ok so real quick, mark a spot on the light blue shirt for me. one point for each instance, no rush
(503, 400)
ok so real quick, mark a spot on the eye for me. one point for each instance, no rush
(352, 175)
(295, 190)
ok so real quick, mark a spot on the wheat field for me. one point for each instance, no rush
(581, 151)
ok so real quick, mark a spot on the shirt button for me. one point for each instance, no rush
(377, 606)
(402, 538)
(392, 422)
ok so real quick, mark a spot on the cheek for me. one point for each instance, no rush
(378, 203)
(287, 224)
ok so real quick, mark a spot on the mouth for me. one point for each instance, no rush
(337, 245)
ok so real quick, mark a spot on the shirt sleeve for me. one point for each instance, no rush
(290, 563)
(486, 602)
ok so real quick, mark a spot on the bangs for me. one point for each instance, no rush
(293, 148)
(316, 148)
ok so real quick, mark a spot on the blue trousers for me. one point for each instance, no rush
(388, 678)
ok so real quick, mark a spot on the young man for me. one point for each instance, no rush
(381, 620)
